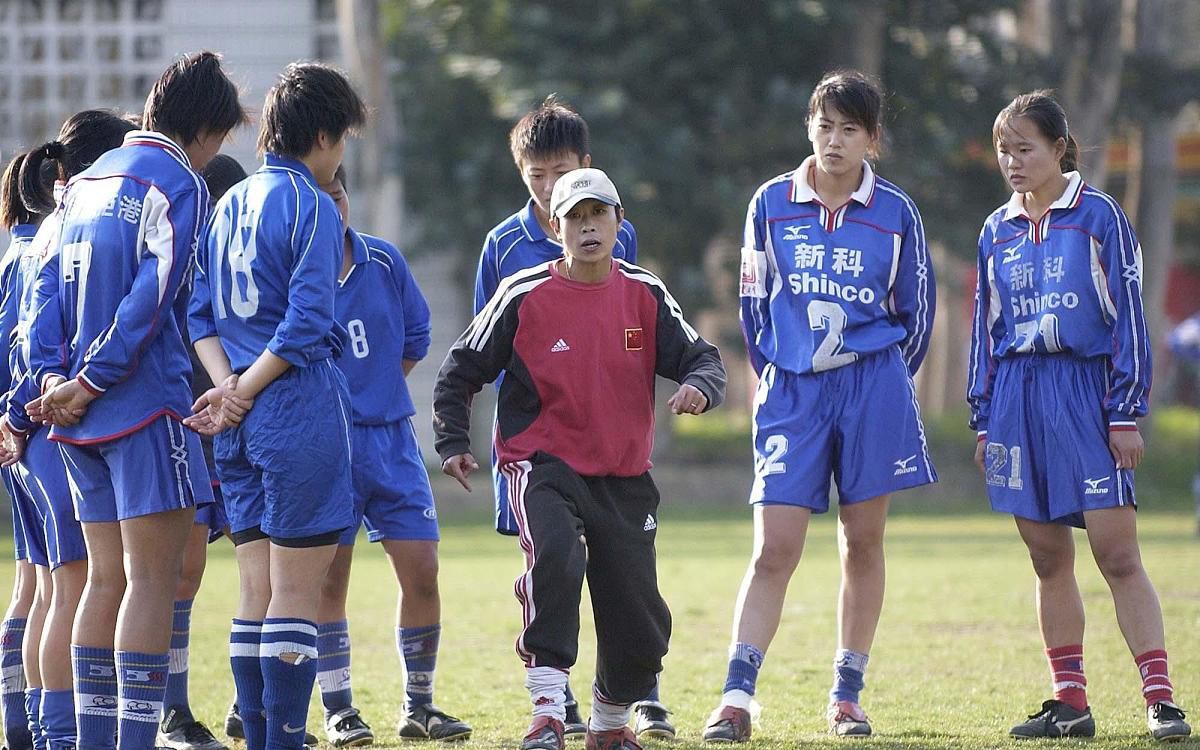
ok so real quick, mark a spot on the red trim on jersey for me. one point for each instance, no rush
(128, 431)
(873, 226)
(772, 220)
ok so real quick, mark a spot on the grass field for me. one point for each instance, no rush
(956, 662)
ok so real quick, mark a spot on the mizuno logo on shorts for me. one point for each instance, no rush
(902, 466)
(1094, 488)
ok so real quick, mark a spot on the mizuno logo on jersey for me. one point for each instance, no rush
(1024, 305)
(560, 346)
(1011, 253)
(794, 232)
(903, 467)
(650, 524)
(806, 283)
(1094, 488)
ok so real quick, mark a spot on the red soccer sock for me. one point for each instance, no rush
(1066, 668)
(1156, 686)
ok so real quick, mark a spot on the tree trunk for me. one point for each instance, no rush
(1086, 47)
(378, 183)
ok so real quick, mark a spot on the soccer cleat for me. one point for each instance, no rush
(180, 730)
(545, 733)
(847, 719)
(1166, 722)
(345, 728)
(650, 721)
(612, 739)
(234, 731)
(573, 726)
(728, 724)
(429, 722)
(1056, 719)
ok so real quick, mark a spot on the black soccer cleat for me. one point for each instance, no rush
(1056, 719)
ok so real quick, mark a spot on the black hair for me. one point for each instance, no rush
(12, 208)
(307, 100)
(550, 130)
(193, 95)
(82, 140)
(1047, 115)
(340, 176)
(855, 95)
(220, 174)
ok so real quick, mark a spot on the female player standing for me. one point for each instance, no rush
(130, 223)
(1060, 370)
(837, 297)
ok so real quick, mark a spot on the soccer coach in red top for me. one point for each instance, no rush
(580, 340)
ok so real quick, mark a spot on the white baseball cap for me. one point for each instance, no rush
(579, 184)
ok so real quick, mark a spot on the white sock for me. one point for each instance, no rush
(738, 699)
(547, 691)
(608, 716)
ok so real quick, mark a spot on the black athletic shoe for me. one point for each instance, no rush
(180, 731)
(234, 730)
(346, 728)
(431, 723)
(650, 721)
(1166, 722)
(574, 727)
(1056, 719)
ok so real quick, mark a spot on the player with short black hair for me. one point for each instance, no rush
(580, 340)
(837, 298)
(262, 322)
(1060, 356)
(193, 97)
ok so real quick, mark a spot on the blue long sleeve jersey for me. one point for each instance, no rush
(10, 294)
(1070, 283)
(518, 243)
(821, 287)
(387, 321)
(267, 275)
(23, 297)
(130, 226)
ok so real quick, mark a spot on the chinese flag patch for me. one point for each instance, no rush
(633, 339)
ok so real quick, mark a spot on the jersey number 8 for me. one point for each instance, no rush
(358, 338)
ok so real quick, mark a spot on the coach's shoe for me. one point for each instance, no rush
(345, 728)
(180, 730)
(612, 739)
(1166, 722)
(431, 723)
(728, 724)
(573, 726)
(650, 721)
(545, 733)
(1056, 719)
(847, 719)
(234, 730)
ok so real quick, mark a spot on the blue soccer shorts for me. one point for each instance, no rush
(391, 485)
(1047, 456)
(285, 470)
(213, 514)
(24, 547)
(41, 478)
(156, 468)
(859, 424)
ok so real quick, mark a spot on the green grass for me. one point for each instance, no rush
(956, 662)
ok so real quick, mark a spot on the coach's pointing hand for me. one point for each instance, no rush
(459, 467)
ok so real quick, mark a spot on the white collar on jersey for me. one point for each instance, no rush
(1016, 204)
(803, 192)
(155, 138)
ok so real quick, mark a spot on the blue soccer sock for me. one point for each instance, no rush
(12, 684)
(287, 686)
(33, 711)
(95, 696)
(333, 666)
(141, 686)
(58, 719)
(177, 675)
(848, 670)
(419, 648)
(744, 662)
(244, 639)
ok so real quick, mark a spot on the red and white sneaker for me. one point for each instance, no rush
(847, 719)
(612, 739)
(728, 724)
(545, 733)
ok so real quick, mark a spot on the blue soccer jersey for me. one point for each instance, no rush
(129, 226)
(518, 243)
(10, 296)
(266, 277)
(822, 287)
(386, 321)
(1069, 283)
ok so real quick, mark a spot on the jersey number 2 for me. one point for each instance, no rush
(827, 316)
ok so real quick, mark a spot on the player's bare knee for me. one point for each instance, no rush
(1116, 565)
(776, 560)
(1050, 563)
